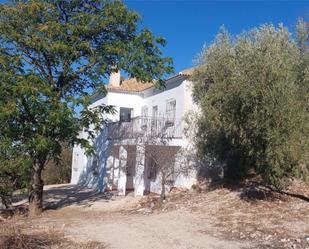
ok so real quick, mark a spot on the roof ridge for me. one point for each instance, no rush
(134, 85)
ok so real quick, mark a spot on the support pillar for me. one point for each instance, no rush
(108, 179)
(122, 179)
(139, 185)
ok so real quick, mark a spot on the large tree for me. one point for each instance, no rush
(252, 91)
(56, 54)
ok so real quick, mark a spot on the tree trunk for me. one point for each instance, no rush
(162, 196)
(36, 194)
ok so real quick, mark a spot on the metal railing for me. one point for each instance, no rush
(145, 127)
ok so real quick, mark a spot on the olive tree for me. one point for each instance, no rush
(251, 90)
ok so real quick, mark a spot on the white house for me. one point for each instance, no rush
(147, 120)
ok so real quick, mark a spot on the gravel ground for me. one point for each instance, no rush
(247, 217)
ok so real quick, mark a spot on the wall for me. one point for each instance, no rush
(79, 160)
(121, 99)
(174, 90)
(84, 169)
(92, 169)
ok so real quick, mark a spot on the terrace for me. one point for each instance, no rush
(149, 127)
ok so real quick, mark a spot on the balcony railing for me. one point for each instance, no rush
(145, 127)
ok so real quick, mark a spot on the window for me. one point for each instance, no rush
(155, 112)
(171, 110)
(152, 169)
(125, 114)
(144, 115)
(154, 121)
(144, 112)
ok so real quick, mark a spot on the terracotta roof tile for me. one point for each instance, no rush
(132, 85)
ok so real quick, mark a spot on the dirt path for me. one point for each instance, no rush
(84, 215)
(169, 230)
(214, 220)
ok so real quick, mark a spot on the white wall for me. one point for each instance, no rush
(174, 90)
(79, 160)
(82, 167)
(121, 99)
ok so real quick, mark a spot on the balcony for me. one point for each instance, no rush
(148, 127)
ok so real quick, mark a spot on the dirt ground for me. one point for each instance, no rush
(214, 219)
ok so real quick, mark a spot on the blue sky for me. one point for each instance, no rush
(188, 25)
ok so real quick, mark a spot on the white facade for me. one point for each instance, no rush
(122, 162)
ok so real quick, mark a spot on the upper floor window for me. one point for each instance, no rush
(155, 112)
(125, 114)
(144, 112)
(171, 110)
(154, 119)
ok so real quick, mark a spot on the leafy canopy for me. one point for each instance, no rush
(252, 93)
(53, 55)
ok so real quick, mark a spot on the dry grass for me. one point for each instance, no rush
(250, 212)
(13, 236)
(12, 213)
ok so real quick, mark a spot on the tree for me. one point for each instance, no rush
(59, 53)
(161, 163)
(164, 161)
(250, 90)
(14, 172)
(302, 38)
(14, 164)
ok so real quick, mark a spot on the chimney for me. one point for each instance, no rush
(114, 79)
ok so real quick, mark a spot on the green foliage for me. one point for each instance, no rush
(253, 92)
(15, 171)
(53, 55)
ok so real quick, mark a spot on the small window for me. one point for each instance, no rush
(125, 114)
(171, 110)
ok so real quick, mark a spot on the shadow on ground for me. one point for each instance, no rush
(258, 191)
(72, 195)
(253, 191)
